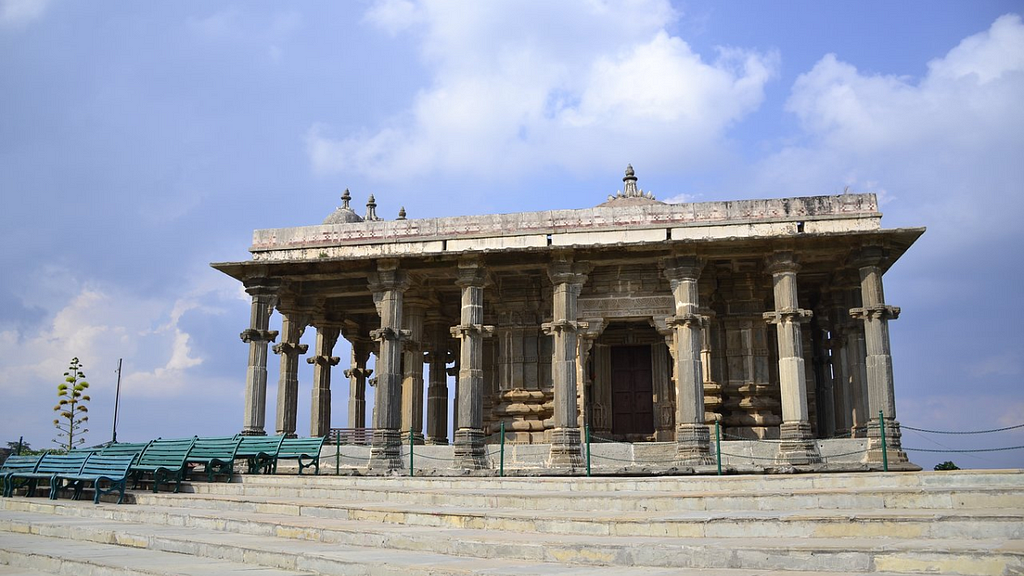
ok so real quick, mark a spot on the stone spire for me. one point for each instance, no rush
(346, 198)
(631, 194)
(401, 213)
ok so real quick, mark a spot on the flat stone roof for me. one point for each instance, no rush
(602, 225)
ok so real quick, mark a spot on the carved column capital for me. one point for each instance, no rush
(389, 334)
(290, 348)
(388, 277)
(682, 267)
(566, 271)
(797, 315)
(463, 330)
(880, 312)
(781, 262)
(253, 335)
(868, 255)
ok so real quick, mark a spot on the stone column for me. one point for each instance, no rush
(322, 361)
(388, 285)
(585, 342)
(453, 372)
(469, 436)
(875, 314)
(412, 376)
(797, 446)
(568, 279)
(823, 379)
(437, 397)
(264, 294)
(692, 436)
(357, 375)
(292, 327)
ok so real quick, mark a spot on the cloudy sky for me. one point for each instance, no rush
(141, 141)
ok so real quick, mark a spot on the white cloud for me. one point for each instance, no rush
(20, 12)
(518, 86)
(944, 149)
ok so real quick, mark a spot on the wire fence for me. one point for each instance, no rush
(614, 454)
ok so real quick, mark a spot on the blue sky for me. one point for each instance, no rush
(141, 141)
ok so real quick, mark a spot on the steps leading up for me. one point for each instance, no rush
(948, 523)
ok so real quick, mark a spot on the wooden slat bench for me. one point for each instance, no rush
(98, 469)
(216, 455)
(304, 450)
(50, 465)
(259, 452)
(17, 464)
(164, 460)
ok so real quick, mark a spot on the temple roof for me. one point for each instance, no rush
(630, 195)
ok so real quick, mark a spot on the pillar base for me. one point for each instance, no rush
(894, 450)
(565, 448)
(417, 438)
(693, 444)
(385, 450)
(797, 447)
(469, 449)
(253, 432)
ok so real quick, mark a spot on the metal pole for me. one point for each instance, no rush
(718, 446)
(411, 470)
(21, 442)
(885, 451)
(337, 452)
(501, 466)
(586, 430)
(117, 401)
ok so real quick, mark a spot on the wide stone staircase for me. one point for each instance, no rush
(961, 522)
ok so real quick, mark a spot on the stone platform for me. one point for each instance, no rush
(961, 522)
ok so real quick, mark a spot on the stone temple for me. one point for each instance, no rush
(644, 321)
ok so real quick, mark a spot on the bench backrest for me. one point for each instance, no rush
(221, 448)
(62, 463)
(133, 449)
(295, 447)
(20, 464)
(115, 467)
(252, 445)
(167, 453)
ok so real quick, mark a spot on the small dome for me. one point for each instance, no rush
(345, 214)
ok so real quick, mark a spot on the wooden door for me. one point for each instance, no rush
(632, 390)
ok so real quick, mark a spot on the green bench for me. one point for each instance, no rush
(216, 455)
(259, 452)
(17, 464)
(49, 467)
(164, 460)
(97, 470)
(305, 450)
(134, 449)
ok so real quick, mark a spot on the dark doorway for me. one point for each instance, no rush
(632, 390)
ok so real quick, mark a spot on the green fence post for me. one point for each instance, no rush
(501, 465)
(586, 430)
(412, 471)
(718, 446)
(885, 449)
(21, 442)
(337, 452)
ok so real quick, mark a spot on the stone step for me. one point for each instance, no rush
(34, 555)
(917, 523)
(729, 483)
(48, 541)
(837, 554)
(524, 497)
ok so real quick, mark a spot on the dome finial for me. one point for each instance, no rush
(629, 183)
(401, 213)
(345, 199)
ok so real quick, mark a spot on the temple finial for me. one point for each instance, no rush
(401, 213)
(371, 209)
(345, 199)
(629, 183)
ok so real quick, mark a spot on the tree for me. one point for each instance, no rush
(18, 447)
(71, 409)
(947, 465)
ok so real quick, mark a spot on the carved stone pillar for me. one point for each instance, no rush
(322, 361)
(412, 377)
(797, 446)
(357, 374)
(875, 314)
(823, 378)
(264, 294)
(292, 327)
(692, 437)
(469, 437)
(568, 279)
(388, 285)
(437, 389)
(453, 372)
(585, 343)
